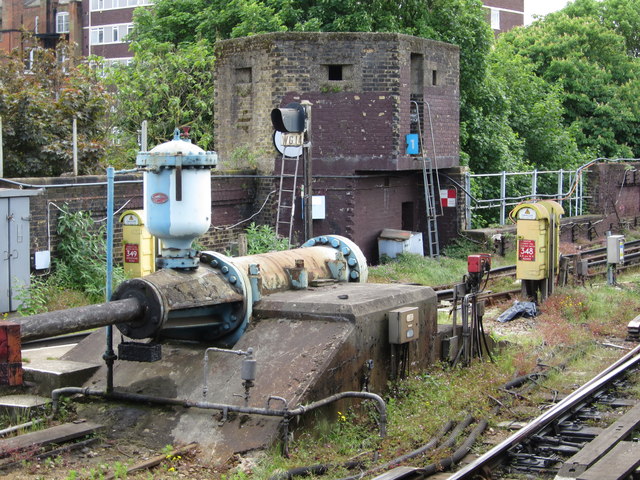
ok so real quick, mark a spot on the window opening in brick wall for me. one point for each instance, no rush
(435, 80)
(417, 74)
(335, 72)
(243, 75)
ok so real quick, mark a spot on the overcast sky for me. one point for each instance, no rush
(541, 7)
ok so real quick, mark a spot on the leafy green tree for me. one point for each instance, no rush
(168, 85)
(38, 104)
(588, 60)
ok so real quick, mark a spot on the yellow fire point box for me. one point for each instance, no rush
(538, 238)
(138, 245)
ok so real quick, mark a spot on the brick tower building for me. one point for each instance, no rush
(369, 91)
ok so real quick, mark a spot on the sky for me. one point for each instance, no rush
(541, 7)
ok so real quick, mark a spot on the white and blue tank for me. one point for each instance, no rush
(177, 197)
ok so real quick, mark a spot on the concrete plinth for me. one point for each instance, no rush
(308, 344)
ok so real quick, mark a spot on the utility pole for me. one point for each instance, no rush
(307, 173)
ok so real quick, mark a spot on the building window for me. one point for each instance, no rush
(434, 78)
(99, 5)
(417, 74)
(495, 18)
(334, 72)
(36, 24)
(243, 75)
(62, 22)
(110, 34)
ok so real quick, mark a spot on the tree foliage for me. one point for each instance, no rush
(38, 105)
(589, 52)
(168, 85)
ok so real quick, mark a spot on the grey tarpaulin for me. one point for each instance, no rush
(518, 309)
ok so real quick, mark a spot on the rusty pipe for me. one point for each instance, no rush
(77, 319)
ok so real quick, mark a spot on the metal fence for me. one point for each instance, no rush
(512, 188)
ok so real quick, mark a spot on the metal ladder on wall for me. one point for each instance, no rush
(287, 196)
(430, 180)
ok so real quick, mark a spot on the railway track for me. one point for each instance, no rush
(561, 443)
(554, 444)
(595, 262)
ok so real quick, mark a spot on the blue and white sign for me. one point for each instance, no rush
(413, 144)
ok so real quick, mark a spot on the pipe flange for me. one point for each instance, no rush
(358, 271)
(239, 279)
(155, 309)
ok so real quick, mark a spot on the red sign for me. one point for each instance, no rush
(131, 253)
(527, 250)
(159, 198)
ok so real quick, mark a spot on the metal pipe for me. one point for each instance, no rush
(77, 319)
(109, 355)
(285, 413)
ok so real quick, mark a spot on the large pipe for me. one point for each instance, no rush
(211, 303)
(77, 319)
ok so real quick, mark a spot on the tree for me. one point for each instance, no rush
(582, 53)
(168, 85)
(38, 104)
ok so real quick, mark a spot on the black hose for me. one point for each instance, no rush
(319, 469)
(416, 453)
(458, 455)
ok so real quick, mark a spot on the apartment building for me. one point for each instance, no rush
(96, 27)
(503, 15)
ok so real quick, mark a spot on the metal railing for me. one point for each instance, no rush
(564, 186)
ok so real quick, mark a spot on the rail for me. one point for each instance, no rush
(564, 186)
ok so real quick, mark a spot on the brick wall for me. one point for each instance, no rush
(234, 198)
(361, 87)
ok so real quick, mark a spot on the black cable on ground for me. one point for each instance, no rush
(416, 453)
(458, 455)
(429, 470)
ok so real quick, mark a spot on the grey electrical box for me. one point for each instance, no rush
(615, 249)
(404, 325)
(15, 261)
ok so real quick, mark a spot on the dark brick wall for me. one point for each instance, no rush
(234, 198)
(359, 121)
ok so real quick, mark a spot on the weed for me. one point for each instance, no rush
(263, 239)
(120, 470)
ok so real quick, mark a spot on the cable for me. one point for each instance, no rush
(247, 219)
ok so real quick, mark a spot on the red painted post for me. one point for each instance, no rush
(10, 354)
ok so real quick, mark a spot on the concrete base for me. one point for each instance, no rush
(22, 407)
(47, 375)
(308, 344)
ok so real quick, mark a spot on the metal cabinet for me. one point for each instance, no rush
(15, 264)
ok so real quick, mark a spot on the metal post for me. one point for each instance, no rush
(503, 197)
(109, 356)
(581, 198)
(307, 173)
(143, 136)
(560, 186)
(467, 186)
(534, 184)
(75, 146)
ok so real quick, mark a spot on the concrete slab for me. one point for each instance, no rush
(22, 406)
(49, 374)
(308, 345)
